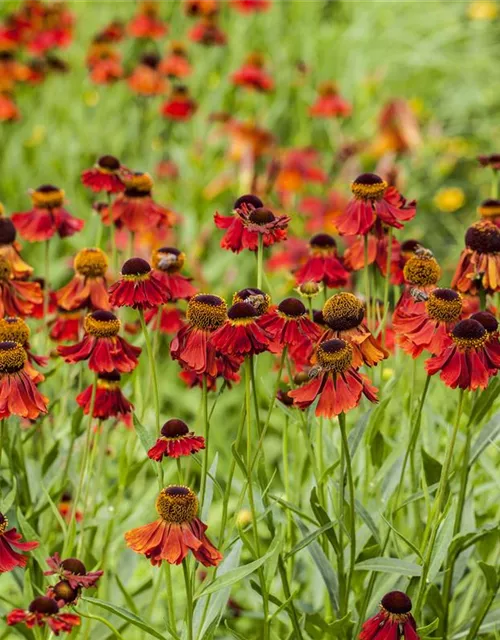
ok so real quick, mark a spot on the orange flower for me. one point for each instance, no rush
(329, 104)
(9, 249)
(17, 298)
(18, 393)
(177, 531)
(146, 79)
(88, 287)
(479, 264)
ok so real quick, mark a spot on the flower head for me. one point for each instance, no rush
(329, 103)
(192, 346)
(479, 264)
(18, 393)
(252, 74)
(135, 208)
(175, 440)
(250, 218)
(335, 382)
(394, 620)
(374, 200)
(44, 611)
(16, 330)
(470, 360)
(168, 262)
(180, 106)
(88, 287)
(139, 286)
(73, 571)
(323, 264)
(17, 298)
(10, 540)
(47, 217)
(259, 300)
(109, 400)
(106, 175)
(177, 531)
(241, 334)
(102, 346)
(489, 209)
(9, 249)
(343, 314)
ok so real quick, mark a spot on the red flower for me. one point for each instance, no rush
(294, 254)
(17, 298)
(492, 161)
(47, 216)
(171, 319)
(18, 393)
(102, 346)
(393, 621)
(252, 74)
(63, 593)
(374, 200)
(73, 571)
(479, 264)
(16, 330)
(323, 264)
(259, 300)
(250, 218)
(135, 207)
(167, 262)
(469, 361)
(322, 213)
(378, 245)
(329, 104)
(146, 79)
(241, 335)
(427, 326)
(192, 346)
(9, 249)
(251, 6)
(44, 611)
(175, 441)
(297, 167)
(208, 33)
(421, 274)
(176, 63)
(180, 106)
(65, 509)
(88, 287)
(105, 175)
(139, 287)
(289, 326)
(176, 532)
(343, 314)
(66, 327)
(9, 111)
(337, 384)
(109, 399)
(147, 23)
(9, 559)
(106, 71)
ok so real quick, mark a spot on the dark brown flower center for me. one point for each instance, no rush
(318, 317)
(487, 319)
(75, 566)
(343, 311)
(12, 357)
(45, 605)
(206, 311)
(444, 305)
(135, 267)
(63, 591)
(110, 163)
(101, 324)
(410, 246)
(242, 310)
(469, 334)
(4, 523)
(368, 186)
(396, 602)
(334, 355)
(151, 60)
(483, 237)
(7, 231)
(248, 200)
(292, 308)
(174, 428)
(111, 376)
(489, 208)
(177, 504)
(261, 216)
(323, 241)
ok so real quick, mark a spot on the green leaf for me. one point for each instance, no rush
(128, 598)
(491, 575)
(356, 434)
(126, 615)
(409, 543)
(236, 575)
(484, 402)
(50, 458)
(40, 553)
(209, 490)
(377, 448)
(429, 628)
(323, 519)
(146, 438)
(432, 468)
(489, 433)
(324, 567)
(306, 541)
(441, 547)
(8, 501)
(390, 565)
(76, 421)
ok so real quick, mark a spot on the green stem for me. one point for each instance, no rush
(494, 184)
(189, 600)
(431, 530)
(152, 365)
(103, 621)
(386, 286)
(46, 291)
(206, 435)
(114, 252)
(83, 468)
(481, 615)
(352, 506)
(170, 596)
(260, 258)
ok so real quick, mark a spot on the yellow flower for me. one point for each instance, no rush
(244, 517)
(449, 199)
(482, 10)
